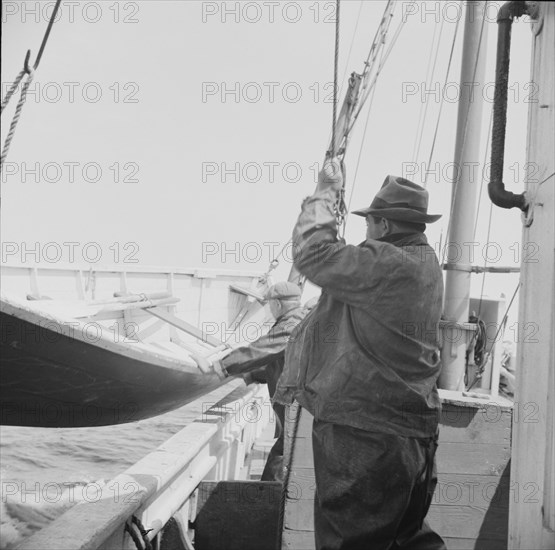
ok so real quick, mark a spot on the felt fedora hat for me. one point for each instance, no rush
(400, 200)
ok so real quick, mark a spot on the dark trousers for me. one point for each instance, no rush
(373, 490)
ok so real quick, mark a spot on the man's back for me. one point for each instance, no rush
(369, 352)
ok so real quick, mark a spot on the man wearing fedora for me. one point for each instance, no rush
(262, 361)
(369, 378)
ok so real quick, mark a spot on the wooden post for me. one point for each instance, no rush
(532, 514)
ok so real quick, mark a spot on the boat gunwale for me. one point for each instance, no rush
(105, 342)
(160, 270)
(182, 455)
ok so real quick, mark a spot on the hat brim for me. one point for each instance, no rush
(398, 214)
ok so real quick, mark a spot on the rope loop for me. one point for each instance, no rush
(138, 533)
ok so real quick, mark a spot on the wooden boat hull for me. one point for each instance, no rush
(60, 371)
(50, 380)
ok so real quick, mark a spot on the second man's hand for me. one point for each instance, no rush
(331, 176)
(212, 364)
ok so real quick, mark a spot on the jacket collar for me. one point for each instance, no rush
(403, 239)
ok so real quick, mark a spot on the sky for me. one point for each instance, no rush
(187, 133)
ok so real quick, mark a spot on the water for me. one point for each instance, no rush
(45, 471)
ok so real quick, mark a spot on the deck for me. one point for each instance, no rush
(201, 489)
(471, 503)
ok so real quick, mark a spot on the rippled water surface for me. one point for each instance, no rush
(45, 471)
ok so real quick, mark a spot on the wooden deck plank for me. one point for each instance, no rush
(490, 424)
(470, 505)
(454, 543)
(472, 458)
(469, 522)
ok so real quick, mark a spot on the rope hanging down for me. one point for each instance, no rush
(30, 72)
(17, 115)
(14, 87)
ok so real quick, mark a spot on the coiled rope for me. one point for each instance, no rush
(485, 358)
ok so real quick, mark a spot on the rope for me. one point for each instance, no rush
(480, 372)
(545, 179)
(14, 87)
(335, 70)
(138, 534)
(383, 59)
(351, 47)
(442, 102)
(364, 92)
(424, 105)
(16, 117)
(489, 218)
(379, 40)
(483, 179)
(340, 207)
(30, 71)
(427, 105)
(360, 152)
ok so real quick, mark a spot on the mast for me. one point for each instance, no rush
(463, 201)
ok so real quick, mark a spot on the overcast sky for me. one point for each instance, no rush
(187, 133)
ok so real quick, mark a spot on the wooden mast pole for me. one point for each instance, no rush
(466, 177)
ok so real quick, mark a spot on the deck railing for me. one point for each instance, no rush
(162, 484)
